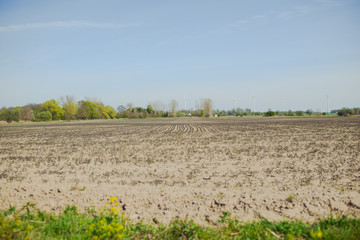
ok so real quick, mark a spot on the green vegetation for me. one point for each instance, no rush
(10, 114)
(269, 114)
(348, 111)
(299, 113)
(31, 223)
(53, 107)
(44, 116)
(291, 197)
(67, 109)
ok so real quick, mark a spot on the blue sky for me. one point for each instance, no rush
(289, 54)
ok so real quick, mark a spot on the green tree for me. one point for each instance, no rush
(299, 113)
(345, 112)
(2, 113)
(111, 112)
(150, 109)
(44, 116)
(36, 108)
(269, 114)
(290, 113)
(54, 108)
(87, 110)
(10, 114)
(102, 113)
(69, 107)
(70, 111)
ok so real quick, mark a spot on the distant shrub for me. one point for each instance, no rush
(356, 111)
(290, 113)
(299, 113)
(121, 115)
(269, 113)
(309, 112)
(345, 112)
(44, 116)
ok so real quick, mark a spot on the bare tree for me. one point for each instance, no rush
(66, 99)
(173, 105)
(207, 107)
(157, 106)
(121, 109)
(26, 113)
(94, 100)
(129, 106)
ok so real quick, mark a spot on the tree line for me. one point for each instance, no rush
(66, 108)
(339, 112)
(239, 112)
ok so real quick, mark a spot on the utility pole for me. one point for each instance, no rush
(253, 98)
(185, 101)
(327, 103)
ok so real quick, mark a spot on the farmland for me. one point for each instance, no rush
(160, 169)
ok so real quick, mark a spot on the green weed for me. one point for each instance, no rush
(30, 223)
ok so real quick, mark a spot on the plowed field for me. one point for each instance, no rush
(160, 169)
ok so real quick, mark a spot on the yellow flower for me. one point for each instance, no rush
(318, 234)
(119, 236)
(106, 203)
(116, 203)
(290, 237)
(113, 199)
(91, 227)
(29, 227)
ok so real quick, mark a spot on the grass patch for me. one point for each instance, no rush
(29, 222)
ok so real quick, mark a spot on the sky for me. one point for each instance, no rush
(279, 54)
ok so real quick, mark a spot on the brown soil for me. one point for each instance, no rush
(274, 168)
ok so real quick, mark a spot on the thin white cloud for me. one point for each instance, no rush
(285, 14)
(260, 19)
(329, 2)
(245, 24)
(251, 22)
(239, 25)
(298, 11)
(64, 24)
(259, 16)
